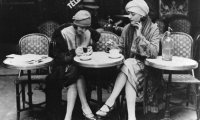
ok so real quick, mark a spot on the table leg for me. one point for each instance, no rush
(30, 89)
(99, 88)
(99, 94)
(168, 95)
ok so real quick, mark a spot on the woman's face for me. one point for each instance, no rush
(134, 17)
(80, 30)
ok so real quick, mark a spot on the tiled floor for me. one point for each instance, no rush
(8, 103)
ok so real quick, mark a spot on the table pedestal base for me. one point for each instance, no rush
(168, 96)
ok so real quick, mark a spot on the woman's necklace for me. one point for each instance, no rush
(79, 40)
(76, 44)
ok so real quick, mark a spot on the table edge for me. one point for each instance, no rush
(28, 67)
(182, 68)
(99, 66)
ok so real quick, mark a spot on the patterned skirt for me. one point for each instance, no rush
(145, 80)
(134, 70)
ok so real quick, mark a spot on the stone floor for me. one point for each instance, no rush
(8, 105)
(8, 101)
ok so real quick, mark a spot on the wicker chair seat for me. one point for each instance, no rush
(182, 78)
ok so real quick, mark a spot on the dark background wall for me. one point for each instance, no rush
(19, 17)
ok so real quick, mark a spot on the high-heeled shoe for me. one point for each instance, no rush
(105, 113)
(89, 116)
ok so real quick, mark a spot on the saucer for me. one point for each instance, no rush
(114, 56)
(12, 56)
(85, 58)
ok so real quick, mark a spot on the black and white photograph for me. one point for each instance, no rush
(99, 60)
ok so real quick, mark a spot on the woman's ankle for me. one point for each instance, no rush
(110, 103)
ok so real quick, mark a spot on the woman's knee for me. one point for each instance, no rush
(72, 86)
(131, 88)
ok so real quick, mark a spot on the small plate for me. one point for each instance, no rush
(85, 58)
(114, 56)
(12, 55)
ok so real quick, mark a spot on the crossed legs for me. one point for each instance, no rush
(121, 82)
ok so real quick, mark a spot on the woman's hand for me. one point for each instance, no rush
(138, 26)
(79, 51)
(89, 50)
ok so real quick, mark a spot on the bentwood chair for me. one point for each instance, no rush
(183, 46)
(107, 36)
(35, 43)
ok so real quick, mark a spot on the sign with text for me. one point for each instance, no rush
(73, 3)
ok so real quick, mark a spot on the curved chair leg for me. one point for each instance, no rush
(197, 101)
(23, 95)
(18, 101)
(188, 94)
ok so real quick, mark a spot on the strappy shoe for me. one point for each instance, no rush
(89, 116)
(105, 113)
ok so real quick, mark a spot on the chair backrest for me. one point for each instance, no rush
(105, 37)
(183, 44)
(48, 28)
(34, 43)
(180, 25)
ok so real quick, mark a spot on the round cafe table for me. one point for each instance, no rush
(176, 64)
(99, 60)
(26, 62)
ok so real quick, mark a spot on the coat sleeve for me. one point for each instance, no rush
(61, 53)
(150, 47)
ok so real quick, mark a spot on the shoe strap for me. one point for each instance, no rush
(88, 115)
(109, 107)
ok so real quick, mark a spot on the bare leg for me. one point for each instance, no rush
(130, 99)
(119, 84)
(71, 99)
(82, 95)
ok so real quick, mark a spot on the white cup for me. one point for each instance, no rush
(114, 52)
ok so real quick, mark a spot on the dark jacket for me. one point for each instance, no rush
(63, 57)
(59, 78)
